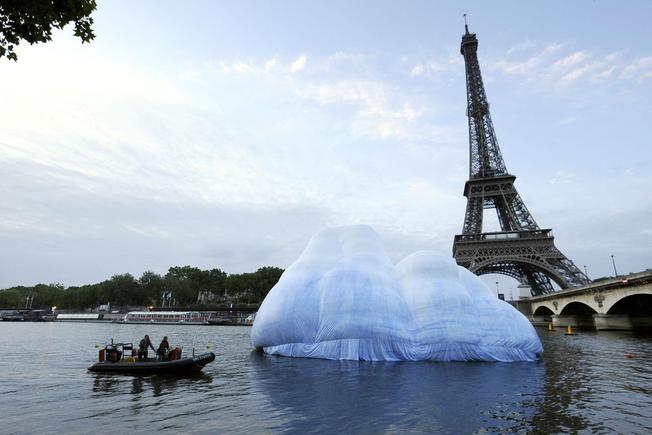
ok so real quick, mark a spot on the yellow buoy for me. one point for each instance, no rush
(208, 346)
(550, 327)
(569, 331)
(97, 346)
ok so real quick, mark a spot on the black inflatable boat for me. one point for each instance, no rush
(113, 359)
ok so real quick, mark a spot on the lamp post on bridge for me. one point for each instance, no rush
(614, 264)
(585, 272)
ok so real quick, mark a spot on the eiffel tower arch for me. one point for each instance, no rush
(521, 249)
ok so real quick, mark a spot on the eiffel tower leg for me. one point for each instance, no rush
(566, 268)
(539, 283)
(513, 215)
(504, 218)
(521, 214)
(473, 217)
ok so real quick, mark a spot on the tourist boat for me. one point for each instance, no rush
(121, 358)
(12, 316)
(167, 317)
(231, 319)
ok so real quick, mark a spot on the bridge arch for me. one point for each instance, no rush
(577, 308)
(613, 302)
(543, 310)
(577, 314)
(636, 305)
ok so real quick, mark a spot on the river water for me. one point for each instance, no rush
(585, 383)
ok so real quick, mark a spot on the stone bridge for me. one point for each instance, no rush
(624, 302)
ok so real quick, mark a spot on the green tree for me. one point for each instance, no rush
(151, 285)
(180, 288)
(86, 296)
(33, 21)
(10, 298)
(266, 278)
(186, 282)
(44, 296)
(123, 290)
(216, 281)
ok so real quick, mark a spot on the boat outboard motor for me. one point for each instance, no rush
(113, 354)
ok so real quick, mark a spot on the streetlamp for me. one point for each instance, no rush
(585, 272)
(614, 264)
(497, 290)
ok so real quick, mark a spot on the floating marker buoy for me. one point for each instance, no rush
(630, 355)
(208, 346)
(97, 346)
(550, 327)
(569, 331)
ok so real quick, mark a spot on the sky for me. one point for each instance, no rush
(225, 134)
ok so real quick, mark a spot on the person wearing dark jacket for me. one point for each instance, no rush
(163, 349)
(144, 346)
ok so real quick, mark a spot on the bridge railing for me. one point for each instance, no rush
(616, 282)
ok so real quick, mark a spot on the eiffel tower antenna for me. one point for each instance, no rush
(521, 249)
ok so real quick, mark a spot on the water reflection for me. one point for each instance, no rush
(564, 385)
(579, 378)
(422, 396)
(109, 384)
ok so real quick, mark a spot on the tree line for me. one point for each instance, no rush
(181, 286)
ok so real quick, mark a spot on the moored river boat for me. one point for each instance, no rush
(12, 316)
(167, 317)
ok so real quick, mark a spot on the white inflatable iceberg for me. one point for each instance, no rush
(344, 299)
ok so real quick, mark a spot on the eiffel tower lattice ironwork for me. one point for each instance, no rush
(521, 249)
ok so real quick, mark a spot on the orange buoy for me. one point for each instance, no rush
(569, 331)
(630, 355)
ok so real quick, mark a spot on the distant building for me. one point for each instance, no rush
(205, 297)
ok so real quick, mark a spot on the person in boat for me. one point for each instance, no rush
(163, 349)
(143, 347)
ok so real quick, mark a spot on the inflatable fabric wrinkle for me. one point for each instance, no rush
(344, 299)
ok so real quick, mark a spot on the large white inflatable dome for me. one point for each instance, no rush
(344, 299)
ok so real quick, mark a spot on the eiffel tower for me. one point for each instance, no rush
(521, 249)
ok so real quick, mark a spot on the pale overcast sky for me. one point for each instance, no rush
(224, 134)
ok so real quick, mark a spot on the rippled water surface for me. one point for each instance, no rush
(585, 383)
